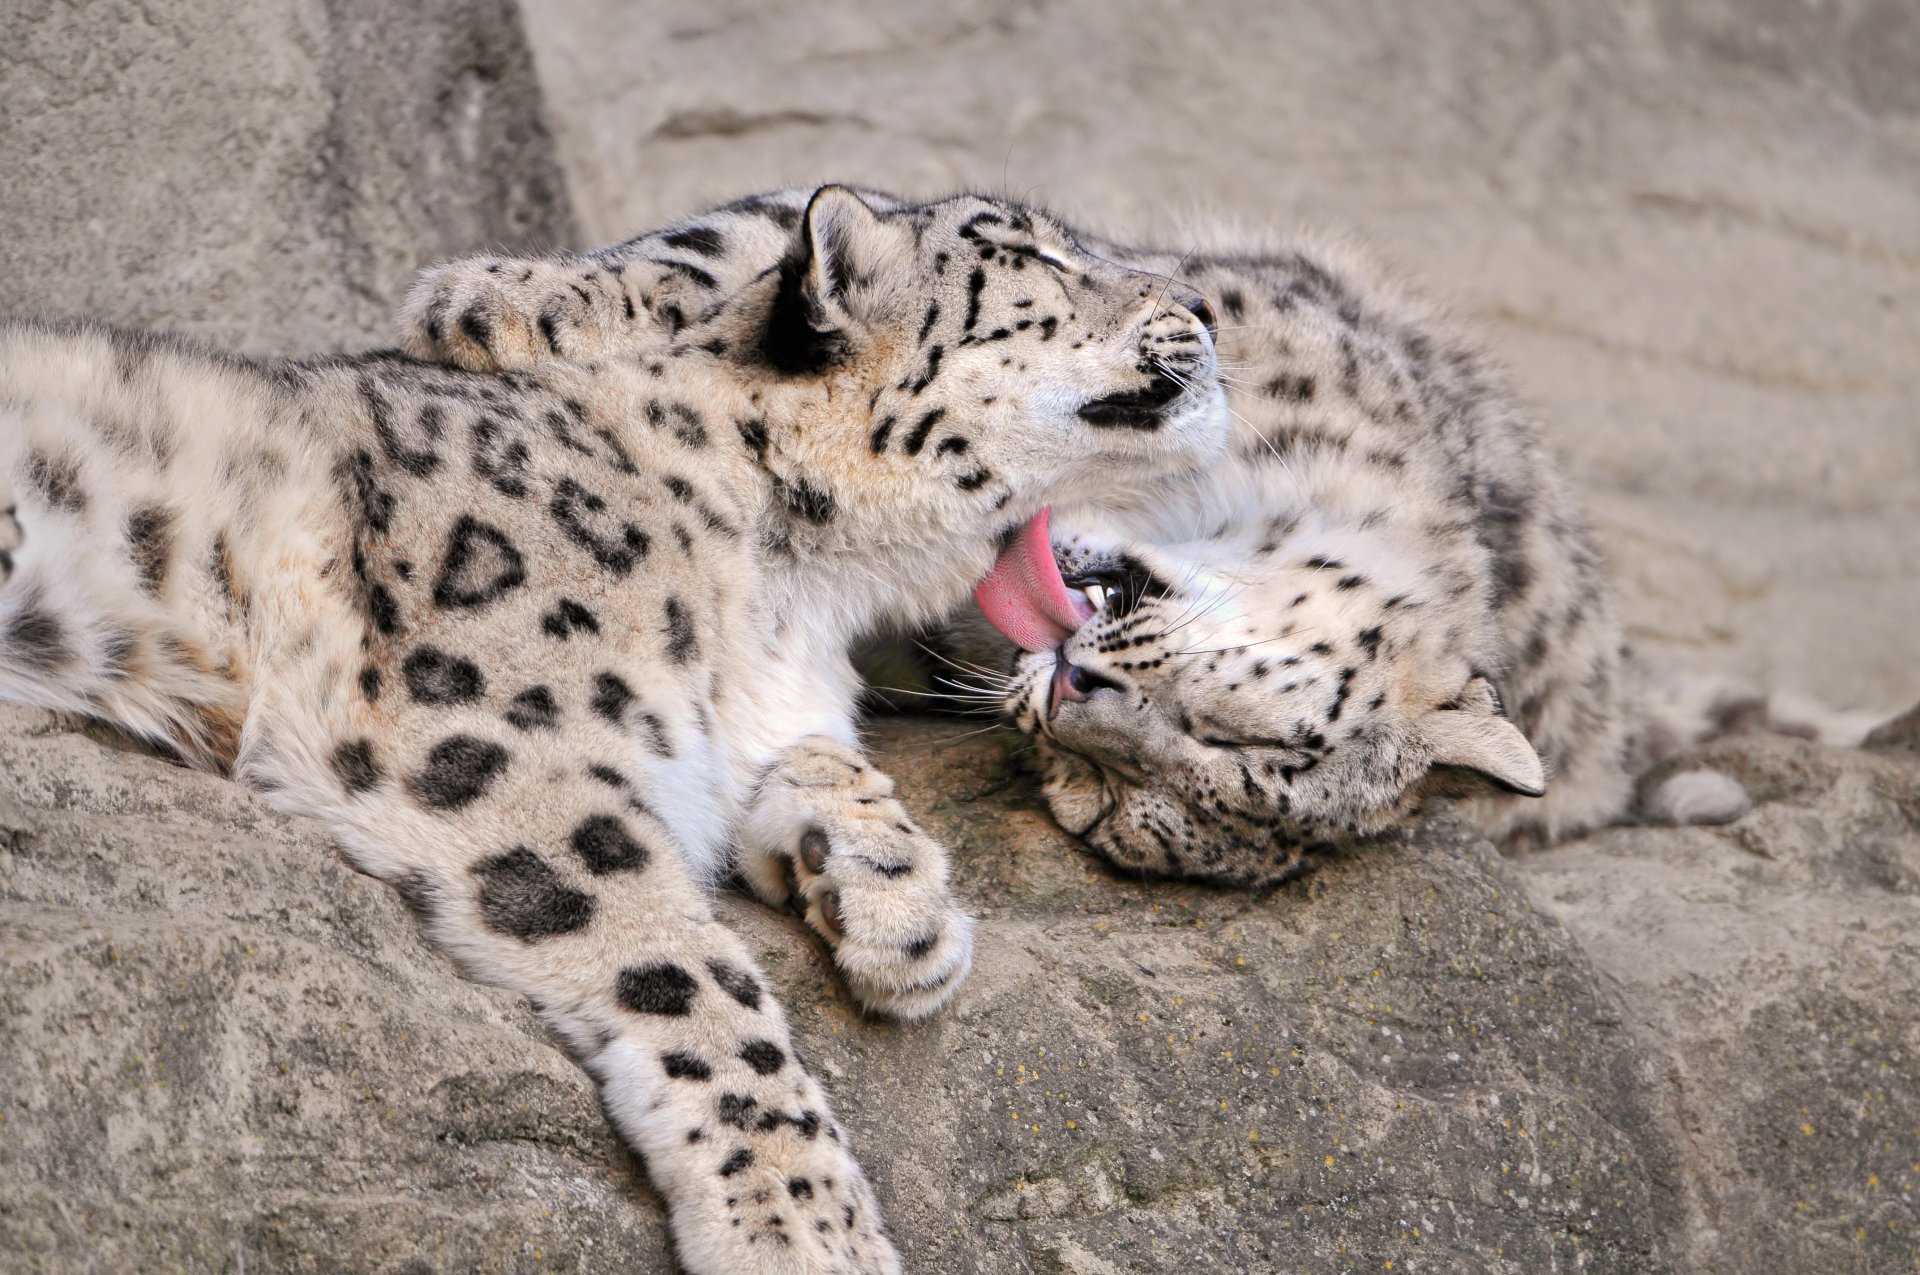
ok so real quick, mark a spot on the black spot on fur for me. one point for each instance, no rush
(662, 988)
(739, 1160)
(800, 1188)
(566, 618)
(370, 679)
(458, 772)
(611, 697)
(429, 425)
(881, 433)
(737, 983)
(932, 371)
(355, 767)
(754, 434)
(763, 1056)
(434, 677)
(682, 644)
(604, 845)
(57, 479)
(918, 439)
(976, 284)
(680, 420)
(684, 1066)
(973, 480)
(804, 500)
(375, 504)
(735, 1110)
(477, 327)
(505, 462)
(707, 241)
(150, 541)
(533, 709)
(523, 896)
(614, 543)
(480, 565)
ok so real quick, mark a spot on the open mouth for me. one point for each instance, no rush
(1135, 409)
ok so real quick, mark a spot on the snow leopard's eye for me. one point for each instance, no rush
(1115, 589)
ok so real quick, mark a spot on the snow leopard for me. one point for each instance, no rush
(553, 651)
(1385, 593)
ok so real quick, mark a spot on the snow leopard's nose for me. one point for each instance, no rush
(1202, 309)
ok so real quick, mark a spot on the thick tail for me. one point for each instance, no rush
(1684, 715)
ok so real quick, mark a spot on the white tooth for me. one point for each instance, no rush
(1096, 594)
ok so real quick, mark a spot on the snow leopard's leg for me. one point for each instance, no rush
(824, 831)
(505, 314)
(540, 869)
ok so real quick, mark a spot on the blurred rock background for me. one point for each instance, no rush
(1692, 227)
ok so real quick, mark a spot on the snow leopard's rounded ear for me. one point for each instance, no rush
(843, 251)
(1474, 734)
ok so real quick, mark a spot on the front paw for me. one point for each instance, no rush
(494, 315)
(875, 886)
(869, 880)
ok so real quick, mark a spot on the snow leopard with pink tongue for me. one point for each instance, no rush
(1383, 595)
(553, 651)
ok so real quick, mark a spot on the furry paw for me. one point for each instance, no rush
(10, 537)
(794, 1204)
(492, 315)
(840, 849)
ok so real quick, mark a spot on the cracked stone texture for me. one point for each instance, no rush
(1692, 227)
(1647, 1051)
(267, 175)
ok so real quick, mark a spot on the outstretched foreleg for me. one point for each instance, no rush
(547, 874)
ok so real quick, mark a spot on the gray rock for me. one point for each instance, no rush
(1692, 227)
(267, 175)
(225, 1048)
(1772, 967)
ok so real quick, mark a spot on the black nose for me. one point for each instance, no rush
(1086, 681)
(1202, 309)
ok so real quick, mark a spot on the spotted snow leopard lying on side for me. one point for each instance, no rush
(1385, 594)
(552, 651)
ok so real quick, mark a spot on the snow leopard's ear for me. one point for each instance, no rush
(1474, 734)
(844, 256)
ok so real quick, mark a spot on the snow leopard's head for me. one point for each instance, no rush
(919, 378)
(1223, 712)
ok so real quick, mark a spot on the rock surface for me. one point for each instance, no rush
(267, 175)
(1773, 968)
(226, 1051)
(1692, 227)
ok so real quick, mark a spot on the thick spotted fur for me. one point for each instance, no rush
(552, 652)
(1385, 593)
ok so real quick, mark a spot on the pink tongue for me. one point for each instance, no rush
(1024, 596)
